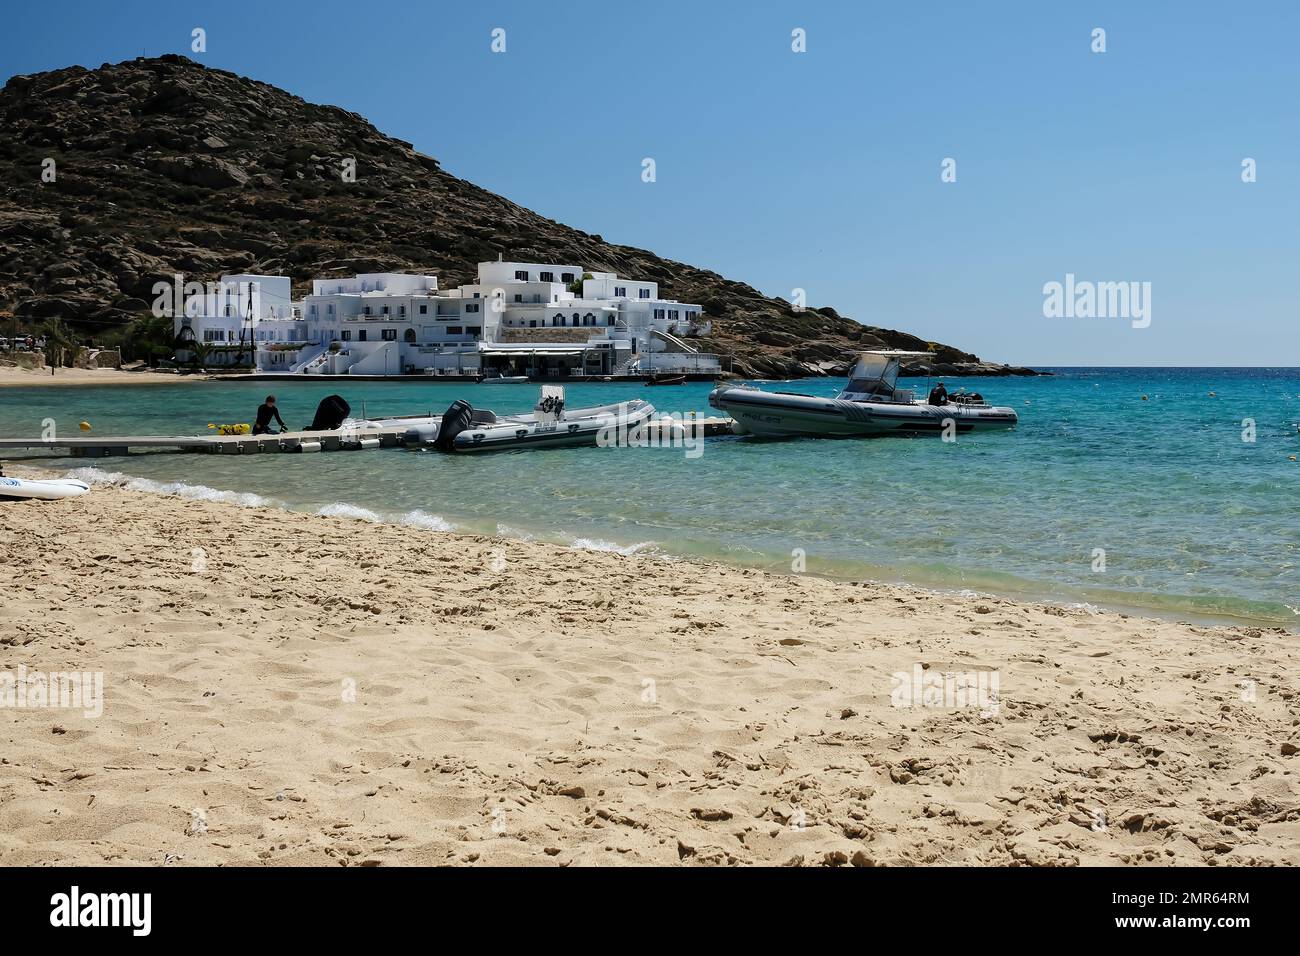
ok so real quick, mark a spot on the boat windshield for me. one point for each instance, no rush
(874, 374)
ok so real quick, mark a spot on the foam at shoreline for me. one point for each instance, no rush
(95, 476)
(1166, 607)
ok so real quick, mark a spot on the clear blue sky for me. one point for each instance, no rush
(821, 170)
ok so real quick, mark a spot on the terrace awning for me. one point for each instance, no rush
(526, 352)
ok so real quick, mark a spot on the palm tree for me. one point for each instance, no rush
(149, 337)
(59, 341)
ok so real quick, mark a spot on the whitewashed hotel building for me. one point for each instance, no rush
(544, 320)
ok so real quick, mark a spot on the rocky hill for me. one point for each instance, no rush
(162, 165)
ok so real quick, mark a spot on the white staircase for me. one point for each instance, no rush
(674, 340)
(310, 361)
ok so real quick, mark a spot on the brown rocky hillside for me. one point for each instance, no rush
(165, 166)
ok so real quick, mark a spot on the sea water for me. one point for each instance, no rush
(1170, 490)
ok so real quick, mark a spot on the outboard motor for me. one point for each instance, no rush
(329, 414)
(455, 420)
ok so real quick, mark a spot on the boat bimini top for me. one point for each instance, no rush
(875, 373)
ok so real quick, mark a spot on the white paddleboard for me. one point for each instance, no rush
(45, 490)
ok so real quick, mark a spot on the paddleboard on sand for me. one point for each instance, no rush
(47, 490)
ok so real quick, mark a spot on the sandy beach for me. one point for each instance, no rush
(291, 689)
(15, 377)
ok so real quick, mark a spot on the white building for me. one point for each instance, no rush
(545, 320)
(230, 317)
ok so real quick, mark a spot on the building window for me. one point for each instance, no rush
(521, 274)
(473, 330)
(588, 319)
(471, 307)
(659, 313)
(519, 298)
(454, 330)
(566, 277)
(347, 335)
(401, 311)
(546, 276)
(383, 310)
(388, 335)
(620, 291)
(409, 335)
(361, 335)
(575, 319)
(366, 310)
(424, 310)
(313, 311)
(643, 293)
(610, 320)
(532, 323)
(329, 309)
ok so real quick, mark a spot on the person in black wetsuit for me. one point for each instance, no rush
(265, 412)
(939, 395)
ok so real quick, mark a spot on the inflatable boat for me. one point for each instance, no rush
(45, 490)
(871, 404)
(463, 428)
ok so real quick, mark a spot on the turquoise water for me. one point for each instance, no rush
(1193, 520)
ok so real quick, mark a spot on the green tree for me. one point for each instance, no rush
(60, 343)
(148, 337)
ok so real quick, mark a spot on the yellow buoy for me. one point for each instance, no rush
(1290, 457)
(84, 426)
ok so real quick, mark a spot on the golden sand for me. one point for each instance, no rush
(294, 689)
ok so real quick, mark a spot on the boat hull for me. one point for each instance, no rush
(782, 415)
(585, 428)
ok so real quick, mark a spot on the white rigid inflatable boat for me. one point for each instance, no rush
(871, 404)
(45, 490)
(463, 428)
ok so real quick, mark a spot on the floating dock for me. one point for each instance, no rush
(84, 446)
(112, 445)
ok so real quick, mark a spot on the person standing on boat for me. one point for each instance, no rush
(265, 412)
(939, 395)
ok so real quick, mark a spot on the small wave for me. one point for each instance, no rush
(1086, 607)
(341, 509)
(426, 521)
(505, 531)
(595, 544)
(94, 476)
(412, 519)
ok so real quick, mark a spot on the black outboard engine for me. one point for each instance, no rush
(329, 414)
(454, 421)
